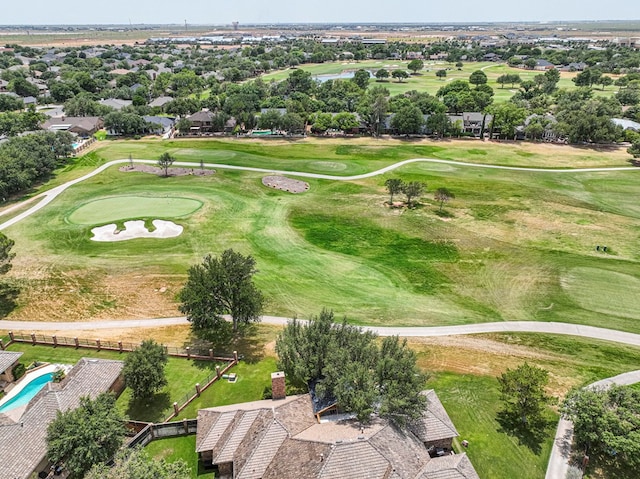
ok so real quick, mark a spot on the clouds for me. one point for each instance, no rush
(298, 11)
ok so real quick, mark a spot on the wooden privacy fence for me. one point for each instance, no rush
(189, 352)
(200, 354)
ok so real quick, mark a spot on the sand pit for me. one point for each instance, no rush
(136, 229)
(285, 184)
(154, 170)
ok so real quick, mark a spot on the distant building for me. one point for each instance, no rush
(83, 126)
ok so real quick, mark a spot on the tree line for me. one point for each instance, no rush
(25, 160)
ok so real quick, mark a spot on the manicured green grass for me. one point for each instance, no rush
(510, 241)
(182, 447)
(252, 378)
(129, 207)
(426, 80)
(182, 375)
(473, 403)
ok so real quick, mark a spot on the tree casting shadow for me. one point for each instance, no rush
(531, 434)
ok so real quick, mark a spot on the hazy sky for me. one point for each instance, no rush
(284, 11)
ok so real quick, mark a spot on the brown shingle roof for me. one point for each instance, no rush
(281, 440)
(264, 452)
(435, 423)
(456, 466)
(355, 460)
(89, 377)
(7, 358)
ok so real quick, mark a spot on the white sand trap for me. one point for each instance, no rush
(136, 229)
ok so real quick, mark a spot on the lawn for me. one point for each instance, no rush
(510, 249)
(175, 448)
(464, 371)
(182, 375)
(426, 80)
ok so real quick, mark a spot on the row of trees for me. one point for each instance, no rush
(25, 160)
(414, 190)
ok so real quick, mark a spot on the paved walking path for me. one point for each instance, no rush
(48, 196)
(408, 331)
(561, 451)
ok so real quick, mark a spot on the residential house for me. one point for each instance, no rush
(202, 122)
(415, 56)
(574, 67)
(491, 57)
(281, 438)
(163, 125)
(8, 361)
(626, 124)
(29, 100)
(472, 122)
(160, 101)
(548, 123)
(23, 431)
(83, 126)
(115, 103)
(543, 65)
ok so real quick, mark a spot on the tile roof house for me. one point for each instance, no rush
(115, 103)
(90, 377)
(8, 359)
(83, 125)
(281, 439)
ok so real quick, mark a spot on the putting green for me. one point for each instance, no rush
(117, 208)
(604, 291)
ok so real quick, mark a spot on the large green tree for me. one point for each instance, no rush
(415, 66)
(90, 434)
(523, 393)
(346, 364)
(413, 190)
(221, 285)
(136, 464)
(144, 369)
(607, 422)
(394, 187)
(408, 120)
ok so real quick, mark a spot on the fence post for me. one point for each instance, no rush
(120, 346)
(98, 344)
(33, 338)
(188, 352)
(77, 343)
(55, 341)
(152, 431)
(1, 344)
(210, 353)
(11, 337)
(185, 422)
(235, 356)
(198, 389)
(218, 371)
(176, 409)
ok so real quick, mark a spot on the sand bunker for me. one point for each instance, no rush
(285, 184)
(136, 229)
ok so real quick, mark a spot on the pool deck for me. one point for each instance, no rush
(17, 412)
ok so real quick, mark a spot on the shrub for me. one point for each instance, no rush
(18, 371)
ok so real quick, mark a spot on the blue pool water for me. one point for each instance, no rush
(75, 145)
(29, 391)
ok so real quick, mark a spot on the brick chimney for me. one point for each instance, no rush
(278, 386)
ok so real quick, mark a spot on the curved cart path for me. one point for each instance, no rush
(568, 329)
(50, 195)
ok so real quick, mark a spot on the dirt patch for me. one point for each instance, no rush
(154, 170)
(77, 295)
(285, 184)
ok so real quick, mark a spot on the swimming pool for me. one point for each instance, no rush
(27, 393)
